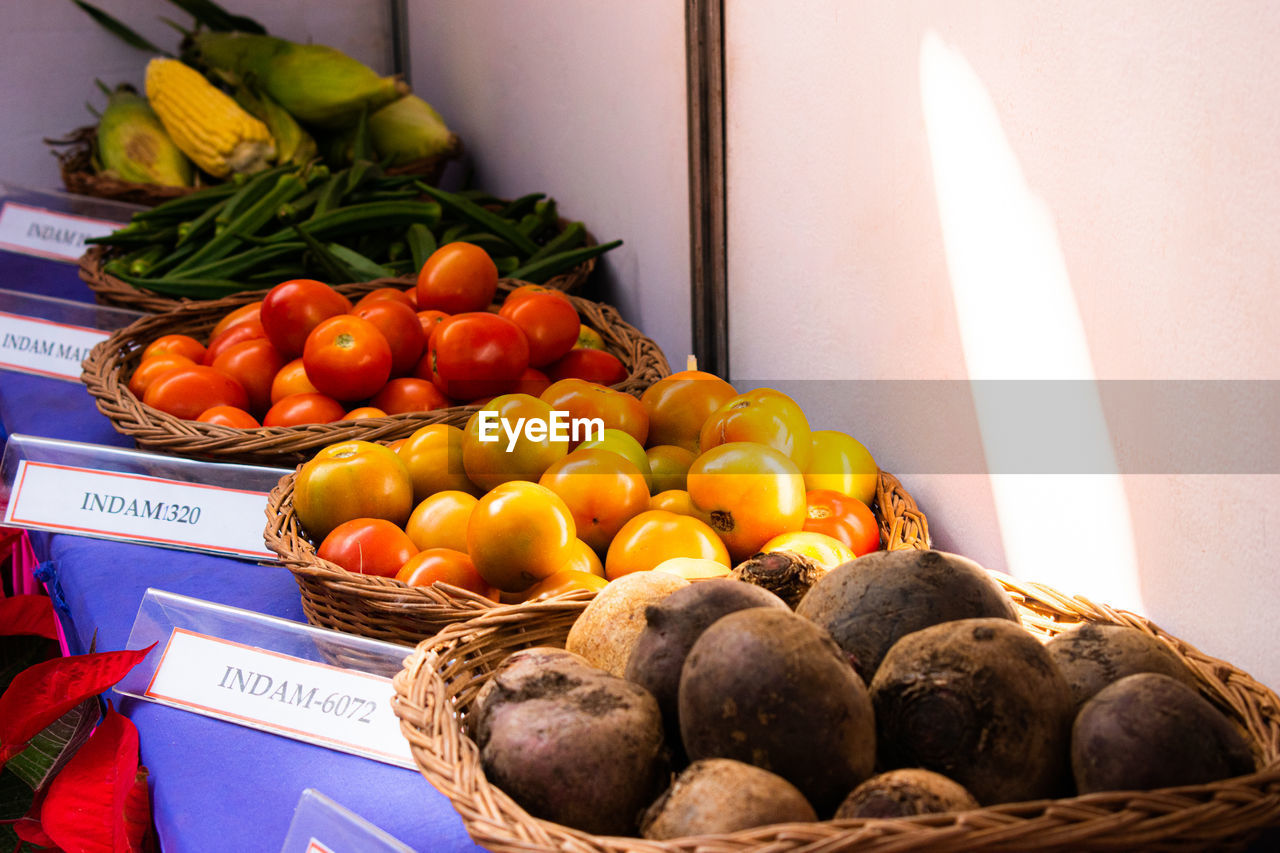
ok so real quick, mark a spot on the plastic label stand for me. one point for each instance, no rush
(320, 825)
(55, 225)
(51, 337)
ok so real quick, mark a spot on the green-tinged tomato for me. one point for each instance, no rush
(351, 479)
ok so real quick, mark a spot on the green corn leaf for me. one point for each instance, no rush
(119, 29)
(217, 18)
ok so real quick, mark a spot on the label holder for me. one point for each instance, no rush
(290, 646)
(321, 825)
(47, 336)
(53, 225)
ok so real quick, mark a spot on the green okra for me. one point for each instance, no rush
(543, 269)
(486, 220)
(363, 218)
(287, 186)
(570, 238)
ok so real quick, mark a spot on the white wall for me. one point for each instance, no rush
(584, 101)
(50, 53)
(1001, 189)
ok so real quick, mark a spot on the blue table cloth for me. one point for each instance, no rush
(215, 785)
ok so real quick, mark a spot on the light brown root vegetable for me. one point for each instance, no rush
(610, 625)
(786, 574)
(906, 792)
(869, 603)
(571, 743)
(768, 688)
(1093, 655)
(672, 626)
(979, 701)
(721, 795)
(1150, 731)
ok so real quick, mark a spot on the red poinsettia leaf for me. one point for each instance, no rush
(137, 813)
(30, 830)
(85, 807)
(42, 693)
(28, 614)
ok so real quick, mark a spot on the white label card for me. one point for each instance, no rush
(47, 233)
(44, 347)
(339, 708)
(137, 508)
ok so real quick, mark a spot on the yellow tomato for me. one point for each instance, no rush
(440, 521)
(679, 404)
(748, 493)
(351, 479)
(584, 559)
(656, 535)
(565, 580)
(672, 500)
(840, 463)
(518, 534)
(434, 456)
(602, 490)
(615, 409)
(625, 445)
(764, 416)
(669, 466)
(826, 551)
(510, 438)
(692, 568)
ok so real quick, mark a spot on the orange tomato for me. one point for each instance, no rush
(444, 565)
(291, 379)
(655, 536)
(844, 518)
(602, 490)
(764, 416)
(839, 462)
(564, 581)
(679, 404)
(615, 409)
(458, 277)
(246, 330)
(826, 551)
(433, 455)
(623, 444)
(401, 327)
(362, 412)
(229, 416)
(584, 559)
(151, 367)
(175, 344)
(748, 493)
(429, 320)
(302, 409)
(440, 521)
(254, 364)
(351, 479)
(489, 453)
(244, 312)
(668, 466)
(367, 546)
(186, 391)
(672, 500)
(518, 534)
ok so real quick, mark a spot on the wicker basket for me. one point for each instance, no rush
(386, 609)
(109, 364)
(75, 161)
(443, 675)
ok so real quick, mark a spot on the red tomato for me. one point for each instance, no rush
(443, 565)
(475, 355)
(291, 379)
(175, 344)
(249, 329)
(550, 323)
(393, 293)
(457, 278)
(593, 365)
(152, 367)
(347, 358)
(229, 416)
(254, 365)
(532, 382)
(401, 327)
(430, 320)
(291, 309)
(368, 546)
(844, 518)
(244, 312)
(185, 392)
(299, 409)
(409, 394)
(530, 289)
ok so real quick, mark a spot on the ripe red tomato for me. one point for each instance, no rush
(430, 320)
(530, 289)
(368, 546)
(409, 394)
(550, 322)
(175, 344)
(254, 364)
(393, 293)
(186, 391)
(532, 382)
(246, 330)
(401, 327)
(844, 518)
(244, 312)
(299, 409)
(593, 365)
(229, 416)
(291, 309)
(347, 357)
(457, 278)
(474, 355)
(151, 367)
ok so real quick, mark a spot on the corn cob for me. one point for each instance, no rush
(315, 83)
(132, 144)
(205, 123)
(409, 129)
(293, 144)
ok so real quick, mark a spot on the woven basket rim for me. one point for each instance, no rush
(391, 610)
(103, 374)
(1193, 815)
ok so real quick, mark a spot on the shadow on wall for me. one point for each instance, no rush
(1019, 320)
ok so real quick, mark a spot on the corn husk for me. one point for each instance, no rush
(293, 143)
(409, 129)
(132, 144)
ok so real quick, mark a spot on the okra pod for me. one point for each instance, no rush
(519, 207)
(543, 269)
(241, 262)
(487, 220)
(361, 218)
(198, 226)
(572, 235)
(147, 259)
(361, 267)
(186, 206)
(287, 186)
(206, 288)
